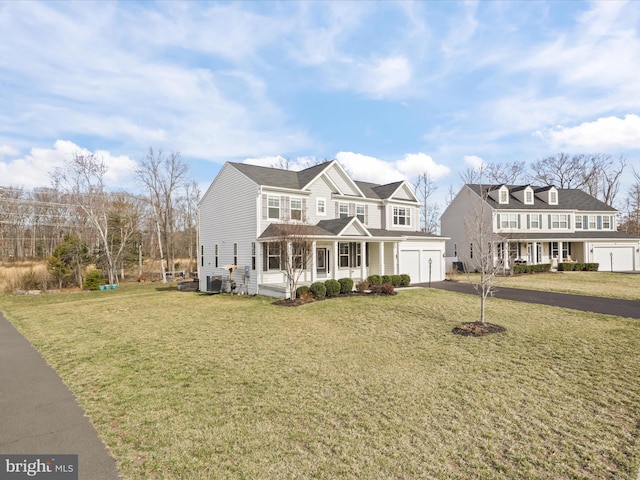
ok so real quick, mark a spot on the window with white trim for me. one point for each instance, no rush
(559, 221)
(360, 212)
(272, 256)
(504, 196)
(578, 222)
(273, 203)
(509, 220)
(606, 222)
(553, 197)
(592, 222)
(401, 216)
(343, 210)
(296, 208)
(534, 221)
(321, 206)
(528, 197)
(344, 254)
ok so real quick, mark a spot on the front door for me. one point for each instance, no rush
(322, 261)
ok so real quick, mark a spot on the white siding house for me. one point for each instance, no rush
(357, 228)
(535, 225)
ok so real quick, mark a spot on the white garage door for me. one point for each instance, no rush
(617, 259)
(415, 263)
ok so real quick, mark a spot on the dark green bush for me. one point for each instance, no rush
(542, 267)
(302, 291)
(333, 287)
(374, 280)
(318, 289)
(386, 279)
(405, 280)
(384, 289)
(92, 280)
(346, 285)
(396, 280)
(592, 267)
(578, 267)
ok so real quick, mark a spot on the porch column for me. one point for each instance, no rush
(559, 251)
(336, 260)
(314, 266)
(289, 293)
(396, 260)
(363, 260)
(505, 254)
(381, 257)
(534, 253)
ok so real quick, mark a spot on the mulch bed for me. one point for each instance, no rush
(296, 302)
(478, 329)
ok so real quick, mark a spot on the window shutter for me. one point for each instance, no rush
(568, 221)
(265, 205)
(549, 218)
(366, 214)
(519, 223)
(304, 210)
(599, 220)
(528, 221)
(265, 259)
(498, 218)
(585, 222)
(540, 222)
(352, 209)
(337, 210)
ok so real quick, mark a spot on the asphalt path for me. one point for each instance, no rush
(40, 416)
(608, 306)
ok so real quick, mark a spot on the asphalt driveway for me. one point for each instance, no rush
(608, 306)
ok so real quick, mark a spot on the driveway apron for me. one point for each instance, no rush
(608, 306)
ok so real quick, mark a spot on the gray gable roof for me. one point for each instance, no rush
(568, 199)
(276, 177)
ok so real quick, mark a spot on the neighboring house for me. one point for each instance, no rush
(357, 228)
(533, 225)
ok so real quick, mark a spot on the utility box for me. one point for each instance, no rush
(247, 271)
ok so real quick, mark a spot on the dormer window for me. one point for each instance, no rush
(528, 197)
(504, 195)
(553, 197)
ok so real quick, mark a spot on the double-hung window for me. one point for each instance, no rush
(296, 208)
(592, 222)
(509, 220)
(273, 203)
(343, 210)
(578, 222)
(606, 222)
(272, 256)
(401, 216)
(534, 221)
(343, 253)
(559, 221)
(321, 206)
(360, 213)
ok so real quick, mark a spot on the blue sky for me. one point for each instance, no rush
(391, 89)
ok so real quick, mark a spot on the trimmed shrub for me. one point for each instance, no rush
(302, 291)
(384, 289)
(396, 280)
(333, 287)
(386, 279)
(346, 285)
(374, 280)
(92, 280)
(318, 289)
(405, 280)
(591, 267)
(542, 267)
(578, 267)
(362, 286)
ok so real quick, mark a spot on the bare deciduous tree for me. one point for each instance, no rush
(163, 174)
(295, 247)
(424, 188)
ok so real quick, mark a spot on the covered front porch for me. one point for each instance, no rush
(509, 252)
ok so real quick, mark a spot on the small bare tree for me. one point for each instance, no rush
(295, 246)
(425, 187)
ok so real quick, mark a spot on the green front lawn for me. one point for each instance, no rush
(188, 386)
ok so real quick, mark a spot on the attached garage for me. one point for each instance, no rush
(414, 260)
(616, 258)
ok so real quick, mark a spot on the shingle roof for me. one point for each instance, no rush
(276, 177)
(568, 199)
(599, 235)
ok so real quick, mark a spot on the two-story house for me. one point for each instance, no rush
(534, 225)
(356, 228)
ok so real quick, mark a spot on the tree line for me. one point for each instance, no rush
(79, 222)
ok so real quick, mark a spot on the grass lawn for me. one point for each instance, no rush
(188, 386)
(600, 284)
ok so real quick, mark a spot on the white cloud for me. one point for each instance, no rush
(372, 169)
(603, 133)
(473, 161)
(384, 76)
(33, 170)
(8, 151)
